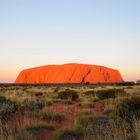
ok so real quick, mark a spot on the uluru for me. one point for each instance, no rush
(69, 73)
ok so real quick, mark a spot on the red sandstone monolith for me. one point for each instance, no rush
(69, 73)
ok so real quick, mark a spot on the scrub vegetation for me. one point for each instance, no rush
(70, 112)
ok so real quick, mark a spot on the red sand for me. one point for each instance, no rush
(70, 73)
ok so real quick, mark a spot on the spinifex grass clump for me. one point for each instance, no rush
(46, 115)
(129, 109)
(87, 105)
(87, 112)
(77, 132)
(67, 134)
(7, 107)
(89, 93)
(105, 94)
(2, 99)
(8, 133)
(56, 89)
(40, 127)
(68, 95)
(99, 128)
(34, 105)
(127, 84)
(125, 113)
(38, 94)
(83, 121)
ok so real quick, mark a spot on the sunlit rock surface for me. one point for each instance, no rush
(69, 73)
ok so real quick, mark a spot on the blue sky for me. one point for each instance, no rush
(41, 32)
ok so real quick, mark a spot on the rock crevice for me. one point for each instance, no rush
(84, 78)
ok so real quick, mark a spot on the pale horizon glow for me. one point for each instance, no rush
(43, 32)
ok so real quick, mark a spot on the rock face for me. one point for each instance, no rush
(70, 73)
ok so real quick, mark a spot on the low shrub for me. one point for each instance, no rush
(86, 112)
(111, 113)
(57, 100)
(67, 102)
(87, 105)
(46, 115)
(40, 127)
(48, 102)
(56, 89)
(95, 127)
(120, 91)
(127, 83)
(52, 116)
(23, 136)
(7, 108)
(83, 120)
(95, 99)
(11, 133)
(105, 94)
(34, 105)
(67, 134)
(38, 94)
(2, 99)
(68, 95)
(89, 93)
(129, 109)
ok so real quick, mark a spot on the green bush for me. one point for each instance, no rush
(111, 114)
(39, 127)
(48, 102)
(67, 134)
(121, 92)
(34, 105)
(83, 120)
(38, 94)
(105, 94)
(10, 133)
(41, 103)
(68, 94)
(127, 83)
(87, 105)
(129, 109)
(56, 89)
(89, 93)
(95, 127)
(7, 108)
(86, 112)
(2, 99)
(46, 115)
(66, 102)
(51, 116)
